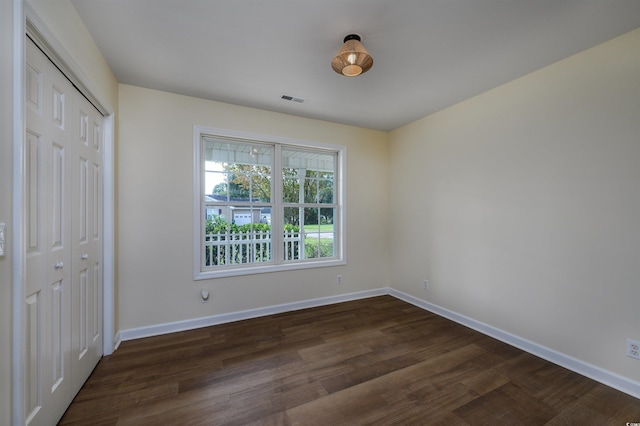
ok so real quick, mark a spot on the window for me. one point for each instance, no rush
(266, 204)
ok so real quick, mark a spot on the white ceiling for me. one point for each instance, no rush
(428, 54)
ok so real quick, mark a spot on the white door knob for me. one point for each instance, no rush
(85, 256)
(59, 265)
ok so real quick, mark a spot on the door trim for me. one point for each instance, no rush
(27, 22)
(18, 265)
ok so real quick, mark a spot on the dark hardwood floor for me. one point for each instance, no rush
(372, 361)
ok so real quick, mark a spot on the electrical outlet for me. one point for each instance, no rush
(425, 284)
(338, 279)
(633, 349)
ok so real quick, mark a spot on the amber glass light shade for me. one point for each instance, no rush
(352, 58)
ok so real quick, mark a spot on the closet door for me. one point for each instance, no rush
(87, 240)
(63, 229)
(48, 238)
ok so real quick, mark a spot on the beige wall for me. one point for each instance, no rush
(526, 206)
(155, 213)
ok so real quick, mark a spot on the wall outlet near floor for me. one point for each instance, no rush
(425, 284)
(338, 279)
(633, 349)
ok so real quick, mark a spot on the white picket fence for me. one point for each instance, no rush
(228, 248)
(293, 245)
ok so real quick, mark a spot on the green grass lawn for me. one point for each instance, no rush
(316, 228)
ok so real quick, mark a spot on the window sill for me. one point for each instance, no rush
(264, 269)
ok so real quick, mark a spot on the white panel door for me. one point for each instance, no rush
(87, 240)
(63, 220)
(48, 273)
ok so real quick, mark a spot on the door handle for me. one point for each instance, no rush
(59, 265)
(85, 256)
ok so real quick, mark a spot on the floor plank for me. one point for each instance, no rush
(372, 361)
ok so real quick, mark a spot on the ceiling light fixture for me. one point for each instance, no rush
(352, 58)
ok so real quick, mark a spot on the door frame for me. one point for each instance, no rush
(27, 22)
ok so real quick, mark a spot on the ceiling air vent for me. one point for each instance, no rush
(292, 98)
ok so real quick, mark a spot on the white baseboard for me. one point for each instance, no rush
(158, 329)
(598, 374)
(116, 341)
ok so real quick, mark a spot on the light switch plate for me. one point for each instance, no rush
(1, 239)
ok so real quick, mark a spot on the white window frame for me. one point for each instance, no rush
(278, 264)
